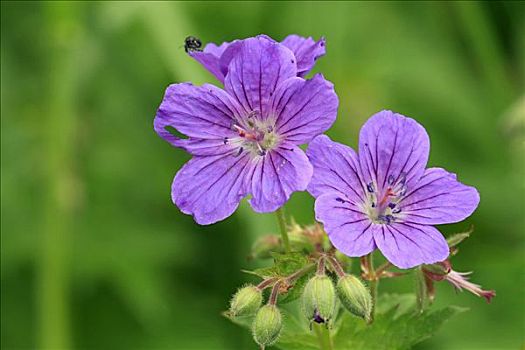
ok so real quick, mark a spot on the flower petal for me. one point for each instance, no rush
(438, 198)
(336, 169)
(391, 144)
(275, 176)
(210, 188)
(304, 108)
(204, 112)
(306, 50)
(209, 58)
(256, 70)
(348, 228)
(406, 245)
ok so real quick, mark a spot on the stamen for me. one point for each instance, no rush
(262, 152)
(390, 179)
(402, 178)
(225, 140)
(239, 152)
(370, 187)
(396, 211)
(391, 205)
(340, 200)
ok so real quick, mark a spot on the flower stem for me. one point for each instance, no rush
(281, 219)
(337, 267)
(323, 336)
(421, 290)
(267, 283)
(275, 293)
(294, 276)
(374, 282)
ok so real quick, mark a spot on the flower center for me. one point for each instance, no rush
(255, 136)
(382, 207)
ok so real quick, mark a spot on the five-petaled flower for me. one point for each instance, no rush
(244, 139)
(384, 197)
(216, 59)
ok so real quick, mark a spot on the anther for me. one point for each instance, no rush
(239, 152)
(396, 211)
(370, 188)
(225, 140)
(402, 178)
(391, 205)
(340, 200)
(390, 179)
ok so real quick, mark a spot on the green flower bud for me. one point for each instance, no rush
(246, 301)
(267, 325)
(319, 299)
(354, 296)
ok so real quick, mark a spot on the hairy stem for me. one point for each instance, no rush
(281, 219)
(275, 293)
(266, 283)
(323, 336)
(291, 278)
(337, 266)
(421, 290)
(374, 281)
(321, 266)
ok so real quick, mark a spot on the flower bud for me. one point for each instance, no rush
(354, 296)
(264, 245)
(267, 325)
(319, 299)
(246, 301)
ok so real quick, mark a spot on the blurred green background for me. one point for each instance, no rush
(95, 256)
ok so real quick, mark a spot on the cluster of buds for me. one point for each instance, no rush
(319, 298)
(319, 295)
(267, 323)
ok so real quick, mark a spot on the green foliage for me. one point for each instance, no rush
(397, 326)
(285, 264)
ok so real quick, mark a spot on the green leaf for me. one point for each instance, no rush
(396, 325)
(457, 238)
(284, 265)
(288, 263)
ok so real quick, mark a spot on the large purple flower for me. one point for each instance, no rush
(384, 197)
(244, 139)
(216, 59)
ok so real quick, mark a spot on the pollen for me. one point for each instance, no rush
(255, 135)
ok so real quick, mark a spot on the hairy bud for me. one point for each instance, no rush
(354, 296)
(246, 301)
(319, 299)
(267, 325)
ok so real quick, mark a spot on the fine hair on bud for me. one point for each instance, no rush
(267, 325)
(354, 296)
(246, 301)
(318, 300)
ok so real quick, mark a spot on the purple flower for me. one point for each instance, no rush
(244, 138)
(384, 197)
(216, 59)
